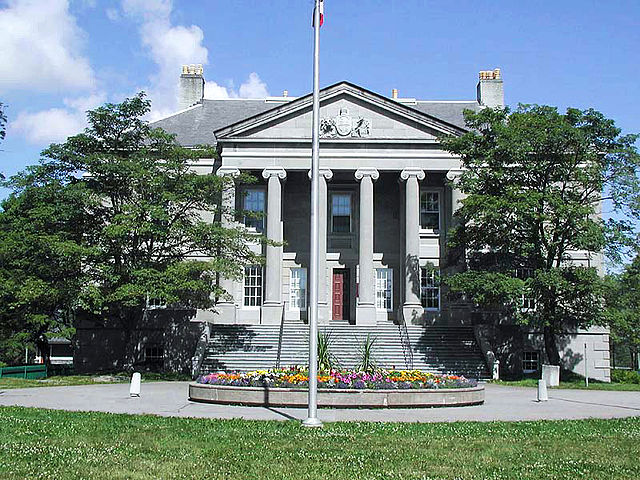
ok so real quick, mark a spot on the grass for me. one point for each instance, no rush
(45, 444)
(70, 380)
(574, 384)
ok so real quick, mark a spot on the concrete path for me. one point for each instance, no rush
(170, 399)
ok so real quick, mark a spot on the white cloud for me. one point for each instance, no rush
(214, 91)
(55, 124)
(171, 46)
(41, 47)
(254, 87)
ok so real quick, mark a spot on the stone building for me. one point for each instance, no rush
(387, 198)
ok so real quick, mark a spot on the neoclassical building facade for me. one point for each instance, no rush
(387, 198)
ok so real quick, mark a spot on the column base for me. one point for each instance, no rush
(224, 314)
(271, 314)
(324, 314)
(366, 315)
(412, 314)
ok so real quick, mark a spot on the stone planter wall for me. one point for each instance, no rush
(297, 397)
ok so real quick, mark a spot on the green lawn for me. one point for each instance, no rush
(66, 445)
(578, 384)
(69, 380)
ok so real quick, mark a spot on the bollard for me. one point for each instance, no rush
(134, 389)
(542, 391)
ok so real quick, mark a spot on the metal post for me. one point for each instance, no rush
(586, 367)
(312, 419)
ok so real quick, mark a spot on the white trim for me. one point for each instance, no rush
(388, 280)
(431, 309)
(303, 287)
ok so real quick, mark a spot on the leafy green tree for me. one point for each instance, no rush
(41, 251)
(147, 226)
(535, 180)
(623, 308)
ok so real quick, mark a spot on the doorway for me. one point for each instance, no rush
(341, 287)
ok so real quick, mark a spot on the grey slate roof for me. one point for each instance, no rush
(196, 125)
(450, 112)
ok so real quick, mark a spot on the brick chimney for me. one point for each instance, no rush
(191, 86)
(490, 89)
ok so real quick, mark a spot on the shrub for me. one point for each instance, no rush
(625, 376)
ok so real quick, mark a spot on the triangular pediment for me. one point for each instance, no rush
(347, 112)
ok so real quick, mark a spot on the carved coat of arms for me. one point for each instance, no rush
(344, 125)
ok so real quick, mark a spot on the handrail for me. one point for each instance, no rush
(201, 349)
(405, 342)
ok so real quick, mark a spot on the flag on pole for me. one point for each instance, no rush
(321, 14)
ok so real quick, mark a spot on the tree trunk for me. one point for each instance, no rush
(551, 346)
(42, 343)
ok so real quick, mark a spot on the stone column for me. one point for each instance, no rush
(412, 310)
(225, 311)
(456, 195)
(324, 312)
(366, 307)
(272, 305)
(458, 311)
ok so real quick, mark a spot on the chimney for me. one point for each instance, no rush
(394, 93)
(490, 90)
(191, 86)
(285, 93)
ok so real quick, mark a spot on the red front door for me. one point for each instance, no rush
(340, 294)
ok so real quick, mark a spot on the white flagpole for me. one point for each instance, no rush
(312, 418)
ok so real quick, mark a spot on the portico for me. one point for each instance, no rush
(385, 206)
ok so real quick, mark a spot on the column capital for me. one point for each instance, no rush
(324, 172)
(367, 172)
(412, 172)
(454, 174)
(224, 171)
(280, 172)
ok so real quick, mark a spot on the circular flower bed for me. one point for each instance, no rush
(293, 377)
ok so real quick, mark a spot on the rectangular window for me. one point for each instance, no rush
(341, 212)
(527, 301)
(430, 288)
(298, 289)
(430, 211)
(530, 362)
(253, 205)
(384, 289)
(253, 286)
(154, 354)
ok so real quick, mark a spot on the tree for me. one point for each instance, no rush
(623, 308)
(41, 251)
(3, 122)
(146, 227)
(535, 180)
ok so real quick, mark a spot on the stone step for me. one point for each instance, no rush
(445, 349)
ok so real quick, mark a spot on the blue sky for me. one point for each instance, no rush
(59, 58)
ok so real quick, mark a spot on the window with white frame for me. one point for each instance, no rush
(253, 286)
(298, 289)
(527, 301)
(253, 205)
(530, 362)
(341, 212)
(384, 289)
(430, 288)
(430, 210)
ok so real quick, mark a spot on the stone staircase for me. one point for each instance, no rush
(442, 349)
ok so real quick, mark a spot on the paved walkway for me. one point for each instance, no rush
(170, 399)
